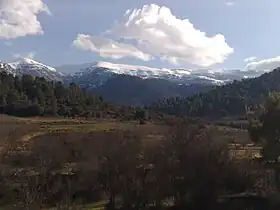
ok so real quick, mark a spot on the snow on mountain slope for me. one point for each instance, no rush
(105, 70)
(34, 68)
(142, 71)
(98, 73)
(7, 68)
(215, 81)
(28, 61)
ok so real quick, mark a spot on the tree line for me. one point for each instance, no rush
(264, 127)
(229, 100)
(35, 96)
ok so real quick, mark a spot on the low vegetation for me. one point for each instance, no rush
(120, 167)
(126, 166)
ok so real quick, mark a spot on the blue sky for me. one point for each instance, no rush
(249, 27)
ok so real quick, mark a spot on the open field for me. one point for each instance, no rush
(53, 130)
(28, 128)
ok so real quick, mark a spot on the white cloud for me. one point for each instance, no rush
(108, 48)
(263, 65)
(230, 3)
(30, 55)
(19, 18)
(176, 40)
(250, 59)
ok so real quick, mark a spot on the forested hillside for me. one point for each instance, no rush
(135, 91)
(34, 96)
(228, 100)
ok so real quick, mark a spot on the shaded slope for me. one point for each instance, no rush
(227, 100)
(130, 90)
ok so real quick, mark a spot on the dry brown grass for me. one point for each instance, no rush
(68, 144)
(15, 128)
(40, 127)
(230, 135)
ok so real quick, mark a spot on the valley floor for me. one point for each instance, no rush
(50, 131)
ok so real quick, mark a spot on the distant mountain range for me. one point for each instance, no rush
(128, 84)
(180, 76)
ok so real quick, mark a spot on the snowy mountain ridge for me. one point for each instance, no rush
(31, 67)
(27, 61)
(182, 76)
(134, 70)
(97, 73)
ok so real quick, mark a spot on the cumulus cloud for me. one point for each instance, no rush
(250, 59)
(19, 18)
(175, 40)
(263, 65)
(108, 48)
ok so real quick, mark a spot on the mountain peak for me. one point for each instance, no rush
(34, 68)
(27, 61)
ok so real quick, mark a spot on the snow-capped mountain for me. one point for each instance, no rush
(176, 75)
(100, 72)
(34, 68)
(142, 71)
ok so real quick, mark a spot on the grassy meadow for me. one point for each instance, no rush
(29, 128)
